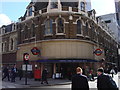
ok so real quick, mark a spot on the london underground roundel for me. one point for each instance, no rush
(35, 51)
(98, 52)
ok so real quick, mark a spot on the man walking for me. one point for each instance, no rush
(44, 76)
(13, 73)
(79, 81)
(6, 73)
(105, 81)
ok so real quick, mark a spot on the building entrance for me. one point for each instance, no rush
(67, 69)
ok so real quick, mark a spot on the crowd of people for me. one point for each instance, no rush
(11, 73)
(79, 80)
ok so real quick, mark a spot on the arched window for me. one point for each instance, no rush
(12, 42)
(26, 32)
(86, 29)
(79, 27)
(82, 4)
(2, 47)
(33, 30)
(92, 30)
(60, 25)
(30, 11)
(5, 47)
(48, 27)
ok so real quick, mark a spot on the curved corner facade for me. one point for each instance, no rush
(67, 37)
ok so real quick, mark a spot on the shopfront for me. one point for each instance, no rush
(67, 68)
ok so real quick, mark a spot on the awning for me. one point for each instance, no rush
(67, 61)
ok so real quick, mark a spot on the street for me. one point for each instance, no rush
(53, 84)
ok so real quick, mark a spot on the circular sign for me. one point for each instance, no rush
(98, 52)
(26, 57)
(35, 51)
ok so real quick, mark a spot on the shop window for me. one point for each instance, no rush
(33, 30)
(82, 6)
(79, 27)
(60, 25)
(48, 27)
(54, 4)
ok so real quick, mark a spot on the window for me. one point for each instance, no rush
(86, 29)
(60, 25)
(82, 6)
(2, 47)
(54, 4)
(33, 30)
(30, 11)
(48, 27)
(12, 44)
(108, 21)
(5, 48)
(79, 27)
(26, 32)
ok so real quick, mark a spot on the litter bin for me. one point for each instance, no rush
(37, 74)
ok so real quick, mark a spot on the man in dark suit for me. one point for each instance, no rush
(79, 81)
(44, 76)
(104, 81)
(6, 73)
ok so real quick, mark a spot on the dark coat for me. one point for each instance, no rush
(44, 74)
(6, 71)
(79, 81)
(103, 82)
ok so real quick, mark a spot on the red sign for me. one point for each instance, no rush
(26, 57)
(98, 52)
(35, 51)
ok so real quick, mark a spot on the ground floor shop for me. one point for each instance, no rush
(63, 68)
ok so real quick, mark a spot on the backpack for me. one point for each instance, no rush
(112, 83)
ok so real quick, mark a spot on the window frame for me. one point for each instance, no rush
(54, 4)
(30, 11)
(77, 29)
(82, 6)
(48, 27)
(32, 30)
(60, 33)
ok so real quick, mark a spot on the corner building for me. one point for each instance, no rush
(66, 35)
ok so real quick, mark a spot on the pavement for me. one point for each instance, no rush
(31, 83)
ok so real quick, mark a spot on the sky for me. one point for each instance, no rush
(11, 10)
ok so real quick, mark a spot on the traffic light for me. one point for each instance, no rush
(26, 58)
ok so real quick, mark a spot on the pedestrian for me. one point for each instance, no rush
(91, 75)
(116, 69)
(105, 81)
(20, 73)
(44, 76)
(79, 81)
(112, 72)
(6, 73)
(13, 73)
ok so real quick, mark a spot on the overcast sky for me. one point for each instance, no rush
(11, 10)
